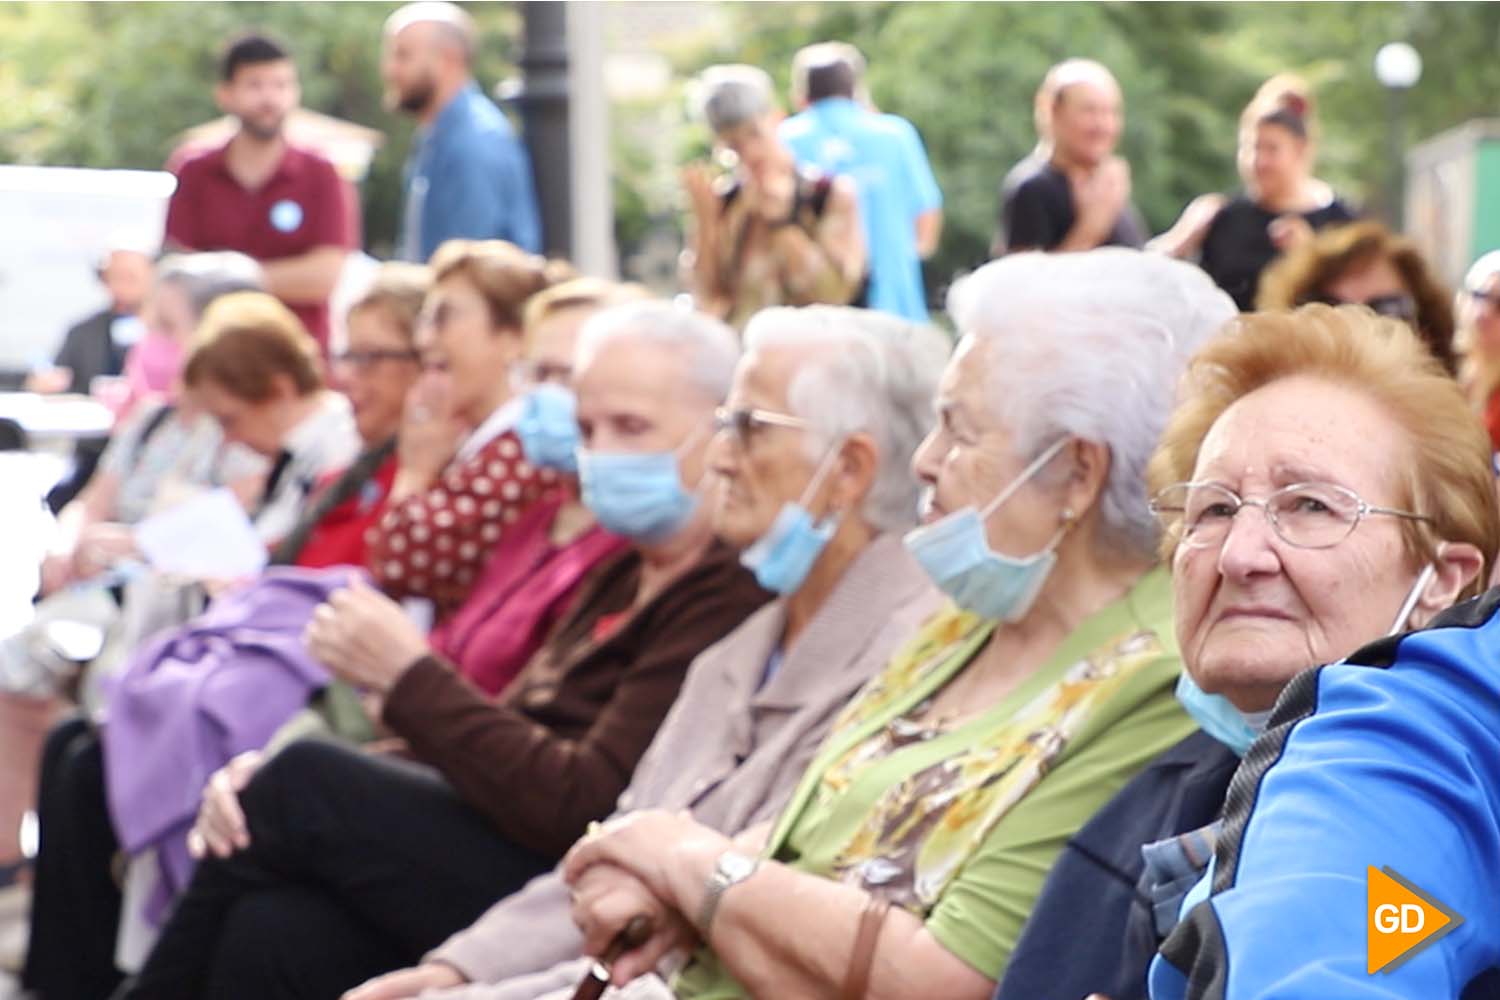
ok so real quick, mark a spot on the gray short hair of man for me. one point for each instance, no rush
(878, 374)
(708, 348)
(453, 23)
(729, 96)
(203, 277)
(1091, 345)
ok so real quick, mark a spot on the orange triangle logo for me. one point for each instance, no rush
(1401, 920)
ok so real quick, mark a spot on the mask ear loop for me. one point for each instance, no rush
(825, 467)
(1415, 595)
(1037, 464)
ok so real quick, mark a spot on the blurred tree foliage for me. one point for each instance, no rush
(965, 74)
(111, 84)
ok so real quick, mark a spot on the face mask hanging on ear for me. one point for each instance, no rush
(956, 553)
(784, 555)
(1218, 717)
(1412, 597)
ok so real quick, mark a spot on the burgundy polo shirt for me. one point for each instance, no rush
(305, 204)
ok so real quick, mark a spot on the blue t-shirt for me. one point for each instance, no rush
(468, 177)
(885, 158)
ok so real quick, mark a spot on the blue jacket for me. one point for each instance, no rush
(1390, 758)
(468, 176)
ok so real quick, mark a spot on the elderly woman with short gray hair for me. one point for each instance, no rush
(770, 233)
(811, 459)
(908, 858)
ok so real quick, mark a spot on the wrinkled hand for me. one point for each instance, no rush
(1289, 231)
(364, 637)
(605, 899)
(648, 845)
(407, 984)
(430, 431)
(221, 829)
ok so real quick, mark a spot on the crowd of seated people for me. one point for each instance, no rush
(771, 646)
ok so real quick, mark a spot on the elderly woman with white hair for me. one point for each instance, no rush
(812, 456)
(350, 864)
(909, 855)
(771, 233)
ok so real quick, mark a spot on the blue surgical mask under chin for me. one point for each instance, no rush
(548, 427)
(956, 554)
(784, 555)
(636, 496)
(1217, 716)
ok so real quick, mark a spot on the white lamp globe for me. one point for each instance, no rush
(1398, 66)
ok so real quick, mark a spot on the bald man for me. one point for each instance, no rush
(468, 175)
(1075, 194)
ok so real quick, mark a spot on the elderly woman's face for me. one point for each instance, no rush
(968, 458)
(635, 395)
(766, 465)
(1254, 612)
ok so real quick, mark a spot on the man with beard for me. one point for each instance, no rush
(262, 196)
(468, 175)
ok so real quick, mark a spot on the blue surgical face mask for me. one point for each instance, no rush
(784, 555)
(638, 496)
(1216, 714)
(548, 427)
(956, 553)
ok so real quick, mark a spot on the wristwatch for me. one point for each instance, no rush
(732, 868)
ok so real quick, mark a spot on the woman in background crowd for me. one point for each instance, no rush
(1479, 339)
(1283, 202)
(771, 233)
(462, 478)
(1366, 264)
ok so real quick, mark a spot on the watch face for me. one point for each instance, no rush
(736, 866)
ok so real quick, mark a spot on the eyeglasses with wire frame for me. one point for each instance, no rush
(1304, 515)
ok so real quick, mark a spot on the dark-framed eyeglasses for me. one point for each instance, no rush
(1304, 515)
(744, 423)
(1398, 305)
(365, 360)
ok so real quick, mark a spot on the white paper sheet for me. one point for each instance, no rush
(209, 537)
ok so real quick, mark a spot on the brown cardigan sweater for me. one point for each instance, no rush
(562, 741)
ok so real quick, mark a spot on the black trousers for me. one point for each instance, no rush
(75, 905)
(357, 865)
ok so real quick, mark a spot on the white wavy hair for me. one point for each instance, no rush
(709, 349)
(879, 376)
(1091, 345)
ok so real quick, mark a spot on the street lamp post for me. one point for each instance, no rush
(1398, 67)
